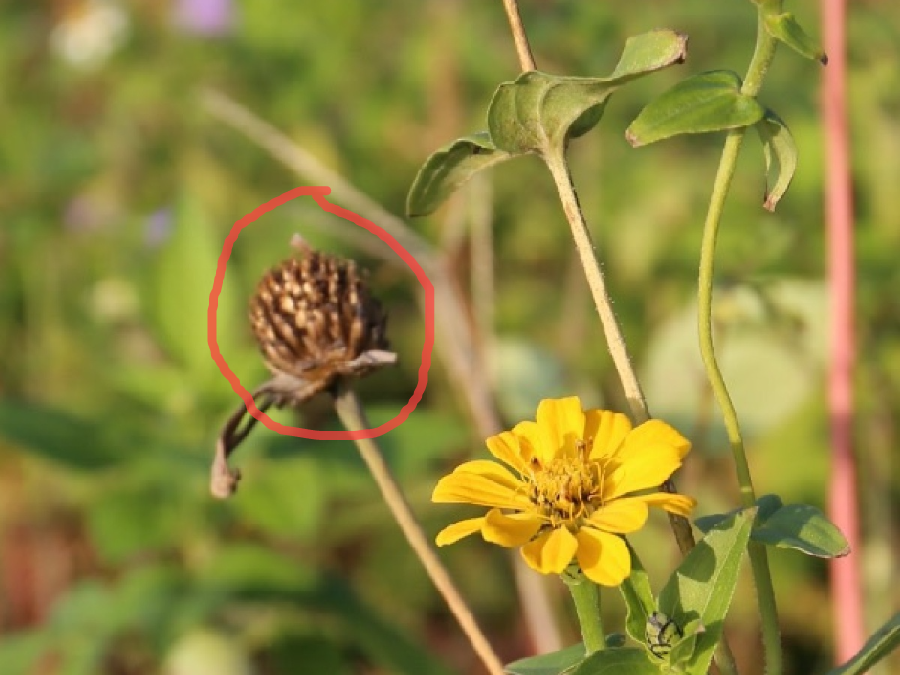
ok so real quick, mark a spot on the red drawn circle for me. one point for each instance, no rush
(318, 193)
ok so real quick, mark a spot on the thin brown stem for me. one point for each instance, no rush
(523, 48)
(353, 417)
(455, 345)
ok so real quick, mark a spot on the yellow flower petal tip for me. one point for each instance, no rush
(568, 493)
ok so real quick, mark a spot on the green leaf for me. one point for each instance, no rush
(618, 661)
(540, 112)
(804, 528)
(548, 664)
(781, 157)
(255, 569)
(448, 169)
(184, 278)
(703, 585)
(684, 649)
(885, 640)
(638, 598)
(798, 526)
(649, 52)
(52, 434)
(784, 27)
(767, 505)
(701, 104)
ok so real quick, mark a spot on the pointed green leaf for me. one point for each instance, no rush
(648, 52)
(805, 528)
(767, 505)
(540, 112)
(701, 104)
(781, 157)
(448, 169)
(548, 664)
(784, 27)
(885, 640)
(703, 585)
(638, 598)
(617, 661)
(798, 526)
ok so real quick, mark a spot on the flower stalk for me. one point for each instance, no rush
(586, 596)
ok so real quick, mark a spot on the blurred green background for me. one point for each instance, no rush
(119, 186)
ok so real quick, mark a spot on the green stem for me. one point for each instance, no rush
(762, 58)
(586, 595)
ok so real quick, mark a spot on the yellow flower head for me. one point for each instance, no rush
(570, 493)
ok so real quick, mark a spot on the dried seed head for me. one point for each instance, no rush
(315, 321)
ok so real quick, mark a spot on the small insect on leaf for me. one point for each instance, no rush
(662, 633)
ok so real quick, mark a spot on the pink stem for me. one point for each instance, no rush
(846, 584)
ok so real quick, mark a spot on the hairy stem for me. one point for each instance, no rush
(353, 417)
(523, 48)
(611, 329)
(619, 351)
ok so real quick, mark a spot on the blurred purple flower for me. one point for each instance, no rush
(158, 227)
(204, 17)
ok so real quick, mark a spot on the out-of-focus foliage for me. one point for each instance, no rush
(118, 190)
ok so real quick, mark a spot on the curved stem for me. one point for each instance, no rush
(353, 417)
(759, 64)
(586, 596)
(722, 182)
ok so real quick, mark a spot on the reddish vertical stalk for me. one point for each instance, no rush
(843, 499)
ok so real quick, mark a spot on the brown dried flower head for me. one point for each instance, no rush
(316, 321)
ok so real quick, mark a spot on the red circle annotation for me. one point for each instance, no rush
(318, 193)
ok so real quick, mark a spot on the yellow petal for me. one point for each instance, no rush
(641, 471)
(603, 557)
(621, 516)
(490, 469)
(453, 533)
(680, 505)
(653, 436)
(608, 429)
(561, 423)
(552, 552)
(505, 447)
(471, 488)
(531, 443)
(510, 530)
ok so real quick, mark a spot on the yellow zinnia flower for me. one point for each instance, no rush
(570, 493)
